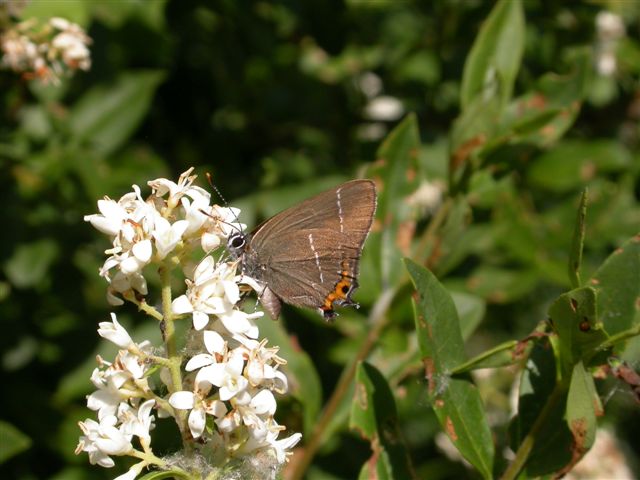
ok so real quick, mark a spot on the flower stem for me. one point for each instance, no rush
(169, 336)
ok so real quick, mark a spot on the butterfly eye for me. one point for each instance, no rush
(236, 241)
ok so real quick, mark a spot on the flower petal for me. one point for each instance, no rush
(182, 400)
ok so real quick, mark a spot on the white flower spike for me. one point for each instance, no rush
(223, 395)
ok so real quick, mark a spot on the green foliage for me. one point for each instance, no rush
(481, 189)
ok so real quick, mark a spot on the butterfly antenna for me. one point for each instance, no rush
(224, 201)
(226, 204)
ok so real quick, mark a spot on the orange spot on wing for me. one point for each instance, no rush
(341, 289)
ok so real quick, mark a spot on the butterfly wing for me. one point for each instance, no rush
(309, 254)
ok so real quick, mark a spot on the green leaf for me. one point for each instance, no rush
(572, 163)
(455, 401)
(544, 114)
(12, 441)
(471, 310)
(449, 251)
(30, 263)
(373, 414)
(501, 285)
(106, 116)
(583, 406)
(577, 245)
(472, 131)
(550, 450)
(496, 54)
(575, 319)
(304, 382)
(617, 282)
(394, 173)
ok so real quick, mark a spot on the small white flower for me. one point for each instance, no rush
(428, 196)
(107, 398)
(384, 108)
(115, 333)
(282, 447)
(227, 376)
(103, 439)
(263, 403)
(213, 291)
(239, 322)
(121, 283)
(111, 217)
(609, 25)
(138, 421)
(162, 186)
(133, 363)
(259, 369)
(199, 407)
(168, 235)
(214, 344)
(370, 84)
(59, 23)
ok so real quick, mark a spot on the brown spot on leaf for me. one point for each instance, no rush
(595, 281)
(373, 460)
(411, 172)
(578, 428)
(618, 251)
(380, 163)
(473, 282)
(435, 255)
(597, 407)
(295, 343)
(588, 171)
(361, 396)
(574, 304)
(429, 374)
(548, 131)
(499, 296)
(537, 101)
(421, 320)
(439, 403)
(464, 151)
(521, 348)
(451, 431)
(404, 236)
(579, 432)
(401, 392)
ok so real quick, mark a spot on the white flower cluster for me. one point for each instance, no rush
(143, 232)
(244, 373)
(123, 412)
(220, 381)
(46, 52)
